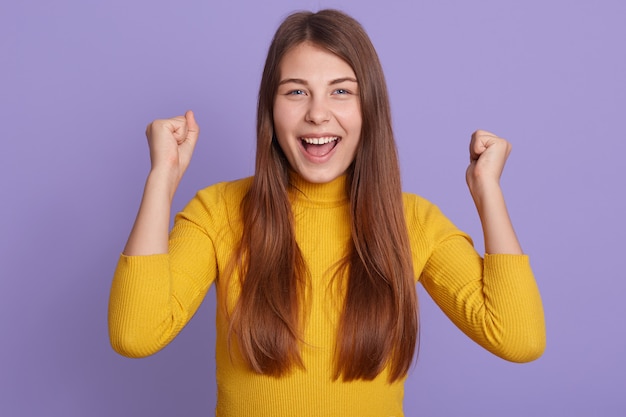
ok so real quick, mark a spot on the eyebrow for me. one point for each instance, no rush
(304, 82)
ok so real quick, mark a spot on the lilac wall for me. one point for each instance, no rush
(79, 80)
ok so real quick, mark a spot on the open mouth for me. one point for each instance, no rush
(320, 146)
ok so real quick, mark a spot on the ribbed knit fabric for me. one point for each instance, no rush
(495, 301)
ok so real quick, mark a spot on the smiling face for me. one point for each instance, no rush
(317, 113)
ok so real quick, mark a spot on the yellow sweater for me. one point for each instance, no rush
(495, 301)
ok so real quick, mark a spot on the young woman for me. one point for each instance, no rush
(315, 258)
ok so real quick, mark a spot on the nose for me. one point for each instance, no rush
(318, 111)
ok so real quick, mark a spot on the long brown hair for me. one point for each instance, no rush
(379, 325)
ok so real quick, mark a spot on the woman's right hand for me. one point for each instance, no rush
(171, 143)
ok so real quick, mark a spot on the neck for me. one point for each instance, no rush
(330, 192)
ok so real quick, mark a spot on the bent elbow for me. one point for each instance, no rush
(529, 352)
(129, 345)
(525, 348)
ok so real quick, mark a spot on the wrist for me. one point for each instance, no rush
(484, 189)
(163, 180)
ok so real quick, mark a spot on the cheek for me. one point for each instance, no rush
(278, 121)
(356, 124)
(284, 117)
(352, 117)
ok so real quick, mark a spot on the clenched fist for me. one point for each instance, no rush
(172, 142)
(488, 155)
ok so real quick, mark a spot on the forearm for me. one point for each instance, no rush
(498, 231)
(149, 235)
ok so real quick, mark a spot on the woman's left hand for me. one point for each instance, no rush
(488, 154)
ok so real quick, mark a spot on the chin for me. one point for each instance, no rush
(320, 177)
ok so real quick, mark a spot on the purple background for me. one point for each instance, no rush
(79, 80)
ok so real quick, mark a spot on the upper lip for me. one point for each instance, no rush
(319, 135)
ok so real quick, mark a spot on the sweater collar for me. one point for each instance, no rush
(330, 193)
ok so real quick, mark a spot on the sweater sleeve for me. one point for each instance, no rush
(495, 300)
(153, 297)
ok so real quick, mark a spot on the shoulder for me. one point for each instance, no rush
(228, 191)
(222, 199)
(423, 215)
(419, 208)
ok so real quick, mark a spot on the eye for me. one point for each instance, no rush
(341, 91)
(296, 93)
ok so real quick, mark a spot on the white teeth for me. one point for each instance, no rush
(320, 141)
